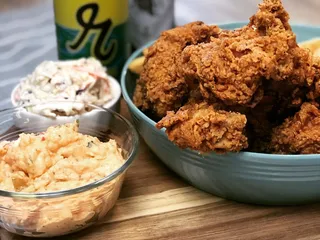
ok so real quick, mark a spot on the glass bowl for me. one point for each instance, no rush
(113, 104)
(58, 213)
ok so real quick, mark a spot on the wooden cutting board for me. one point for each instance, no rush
(156, 204)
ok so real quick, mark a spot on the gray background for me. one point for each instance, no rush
(27, 37)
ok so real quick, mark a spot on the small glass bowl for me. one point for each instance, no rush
(58, 213)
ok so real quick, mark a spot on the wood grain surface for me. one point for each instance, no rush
(156, 204)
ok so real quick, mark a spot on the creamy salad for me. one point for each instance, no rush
(59, 159)
(82, 81)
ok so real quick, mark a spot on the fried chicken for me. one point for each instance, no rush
(161, 87)
(314, 90)
(281, 99)
(225, 91)
(299, 134)
(231, 67)
(205, 128)
(260, 124)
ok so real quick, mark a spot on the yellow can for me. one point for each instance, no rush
(93, 28)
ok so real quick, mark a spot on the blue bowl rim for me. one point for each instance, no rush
(243, 154)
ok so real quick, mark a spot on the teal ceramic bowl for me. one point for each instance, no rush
(246, 177)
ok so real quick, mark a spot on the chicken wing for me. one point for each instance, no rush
(232, 66)
(299, 134)
(161, 87)
(205, 128)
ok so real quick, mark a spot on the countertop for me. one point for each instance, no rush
(156, 204)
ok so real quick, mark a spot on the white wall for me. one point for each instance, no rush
(222, 11)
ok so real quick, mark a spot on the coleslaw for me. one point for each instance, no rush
(82, 81)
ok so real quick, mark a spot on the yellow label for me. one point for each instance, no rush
(93, 28)
(66, 11)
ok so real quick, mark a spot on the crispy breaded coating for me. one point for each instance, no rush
(232, 66)
(201, 127)
(314, 89)
(222, 90)
(299, 134)
(161, 87)
(140, 95)
(281, 99)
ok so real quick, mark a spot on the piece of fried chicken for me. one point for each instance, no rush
(281, 99)
(299, 134)
(204, 127)
(232, 66)
(161, 87)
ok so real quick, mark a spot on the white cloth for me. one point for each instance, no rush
(224, 11)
